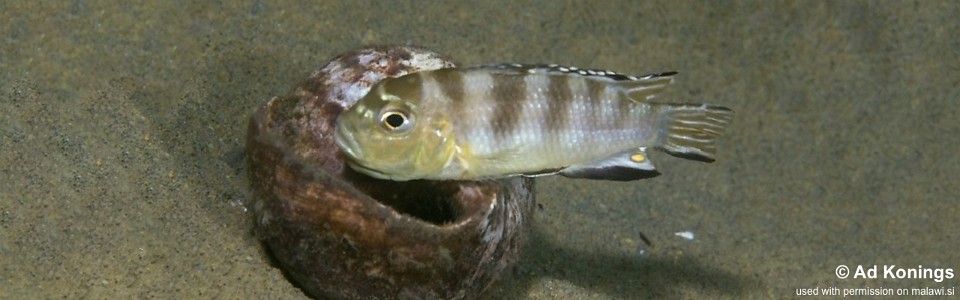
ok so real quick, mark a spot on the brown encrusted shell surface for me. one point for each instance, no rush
(343, 235)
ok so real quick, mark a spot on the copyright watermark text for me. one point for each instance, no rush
(923, 281)
(895, 272)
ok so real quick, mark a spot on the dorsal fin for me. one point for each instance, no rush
(637, 88)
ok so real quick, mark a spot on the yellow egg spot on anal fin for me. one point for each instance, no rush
(622, 166)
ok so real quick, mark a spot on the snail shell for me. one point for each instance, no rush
(339, 234)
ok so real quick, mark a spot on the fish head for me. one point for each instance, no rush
(389, 135)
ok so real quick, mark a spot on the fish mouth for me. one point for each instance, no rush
(348, 145)
(370, 172)
(347, 142)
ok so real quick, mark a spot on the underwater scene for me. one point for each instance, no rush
(490, 150)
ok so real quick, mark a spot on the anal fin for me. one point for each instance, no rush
(623, 166)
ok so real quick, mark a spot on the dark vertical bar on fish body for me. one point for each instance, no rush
(595, 118)
(508, 92)
(451, 85)
(559, 96)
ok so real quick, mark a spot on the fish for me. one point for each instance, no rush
(497, 121)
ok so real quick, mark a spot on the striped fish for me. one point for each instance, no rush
(508, 120)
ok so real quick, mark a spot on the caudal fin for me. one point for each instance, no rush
(690, 130)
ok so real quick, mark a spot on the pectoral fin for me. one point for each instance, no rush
(623, 166)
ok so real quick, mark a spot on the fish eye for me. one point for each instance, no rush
(395, 121)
